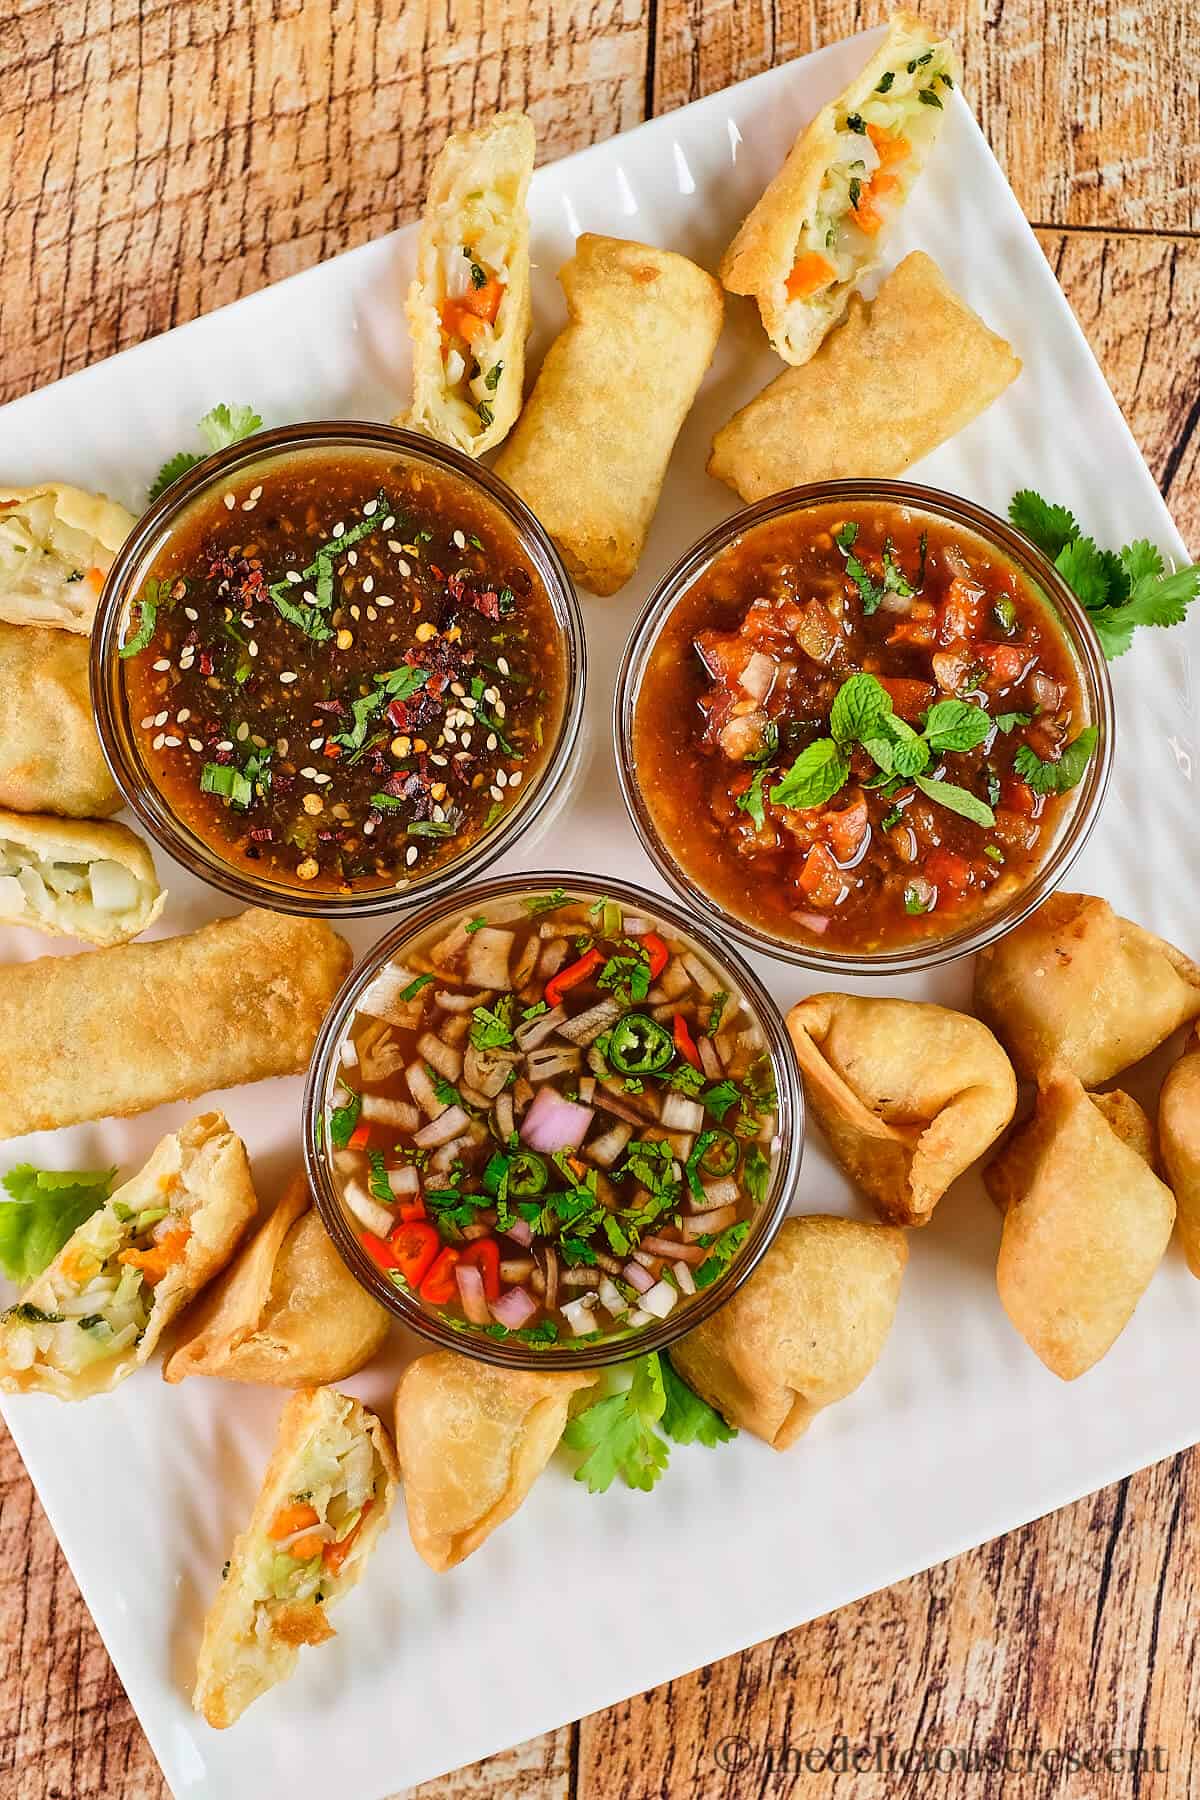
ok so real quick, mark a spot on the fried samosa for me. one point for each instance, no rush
(821, 224)
(905, 372)
(590, 451)
(468, 306)
(1086, 1222)
(101, 1307)
(805, 1330)
(1079, 987)
(1179, 1142)
(57, 544)
(908, 1094)
(83, 878)
(325, 1499)
(287, 1312)
(50, 756)
(472, 1440)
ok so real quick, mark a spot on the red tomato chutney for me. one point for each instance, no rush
(860, 726)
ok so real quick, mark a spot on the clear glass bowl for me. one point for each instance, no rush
(110, 703)
(1076, 819)
(406, 1307)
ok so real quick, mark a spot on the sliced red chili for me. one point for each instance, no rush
(484, 1255)
(438, 1285)
(657, 953)
(572, 975)
(360, 1137)
(414, 1244)
(685, 1043)
(379, 1251)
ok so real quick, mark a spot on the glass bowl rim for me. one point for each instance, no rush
(513, 1355)
(110, 710)
(1072, 618)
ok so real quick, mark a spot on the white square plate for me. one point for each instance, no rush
(960, 1433)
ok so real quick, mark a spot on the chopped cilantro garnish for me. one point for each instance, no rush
(343, 1119)
(722, 1252)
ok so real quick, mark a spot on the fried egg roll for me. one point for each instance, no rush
(325, 1499)
(115, 1032)
(57, 544)
(82, 878)
(468, 307)
(905, 372)
(1179, 1137)
(99, 1310)
(591, 448)
(820, 225)
(50, 756)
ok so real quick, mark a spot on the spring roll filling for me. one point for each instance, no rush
(313, 1532)
(474, 279)
(34, 883)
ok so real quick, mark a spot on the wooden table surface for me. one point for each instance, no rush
(161, 157)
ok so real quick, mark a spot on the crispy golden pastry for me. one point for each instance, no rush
(115, 1032)
(905, 372)
(468, 306)
(287, 1312)
(1078, 987)
(1179, 1141)
(100, 1308)
(908, 1094)
(57, 544)
(50, 756)
(590, 452)
(325, 1499)
(1086, 1222)
(472, 1440)
(81, 878)
(806, 1328)
(821, 224)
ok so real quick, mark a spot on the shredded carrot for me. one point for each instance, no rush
(336, 1554)
(306, 1547)
(79, 1265)
(809, 273)
(484, 301)
(165, 1254)
(459, 320)
(888, 148)
(95, 579)
(292, 1517)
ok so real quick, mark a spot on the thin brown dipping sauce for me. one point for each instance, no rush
(743, 678)
(353, 670)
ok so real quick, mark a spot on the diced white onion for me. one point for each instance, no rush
(660, 1300)
(684, 1277)
(367, 1211)
(114, 888)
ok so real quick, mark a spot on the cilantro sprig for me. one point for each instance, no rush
(1120, 590)
(223, 426)
(618, 1433)
(44, 1208)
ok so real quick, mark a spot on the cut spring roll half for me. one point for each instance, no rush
(100, 1308)
(325, 1499)
(468, 307)
(76, 878)
(819, 226)
(57, 544)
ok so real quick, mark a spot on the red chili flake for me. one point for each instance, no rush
(206, 662)
(397, 712)
(487, 603)
(262, 834)
(329, 706)
(223, 756)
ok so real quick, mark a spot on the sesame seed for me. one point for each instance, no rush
(456, 687)
(196, 745)
(160, 718)
(410, 855)
(295, 577)
(352, 558)
(309, 773)
(495, 792)
(469, 701)
(459, 541)
(172, 743)
(225, 744)
(386, 600)
(439, 814)
(256, 492)
(449, 737)
(281, 746)
(287, 676)
(147, 722)
(389, 522)
(249, 505)
(369, 584)
(163, 663)
(230, 502)
(247, 618)
(368, 827)
(395, 548)
(158, 742)
(501, 709)
(355, 614)
(491, 740)
(441, 762)
(404, 566)
(371, 613)
(310, 596)
(252, 647)
(370, 509)
(491, 695)
(339, 529)
(189, 612)
(183, 715)
(322, 780)
(501, 778)
(466, 740)
(242, 732)
(316, 743)
(502, 664)
(514, 779)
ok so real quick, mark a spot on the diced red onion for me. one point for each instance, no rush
(404, 1182)
(709, 1059)
(447, 1125)
(681, 1114)
(692, 1253)
(514, 1308)
(367, 1211)
(520, 1231)
(722, 1192)
(637, 1277)
(812, 921)
(757, 676)
(661, 1299)
(684, 1276)
(553, 1123)
(700, 1224)
(636, 925)
(470, 1292)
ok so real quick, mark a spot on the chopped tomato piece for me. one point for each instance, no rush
(410, 1210)
(439, 1284)
(1006, 664)
(292, 1518)
(484, 1255)
(1018, 796)
(334, 1555)
(920, 633)
(909, 698)
(685, 1043)
(964, 611)
(821, 879)
(1016, 830)
(155, 1262)
(847, 829)
(810, 273)
(890, 149)
(414, 1244)
(946, 869)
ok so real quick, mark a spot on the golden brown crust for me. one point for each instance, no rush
(590, 451)
(472, 1440)
(805, 1330)
(288, 1312)
(1086, 1223)
(905, 372)
(118, 1031)
(50, 756)
(1179, 1138)
(1077, 986)
(908, 1094)
(240, 1659)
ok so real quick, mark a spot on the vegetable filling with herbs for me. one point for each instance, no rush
(861, 727)
(342, 671)
(554, 1121)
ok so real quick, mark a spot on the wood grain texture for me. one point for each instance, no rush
(160, 157)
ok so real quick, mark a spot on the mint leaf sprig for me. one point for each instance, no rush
(1120, 590)
(223, 426)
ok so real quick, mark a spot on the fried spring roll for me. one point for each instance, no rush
(87, 878)
(50, 756)
(905, 372)
(118, 1031)
(818, 228)
(469, 307)
(57, 544)
(591, 448)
